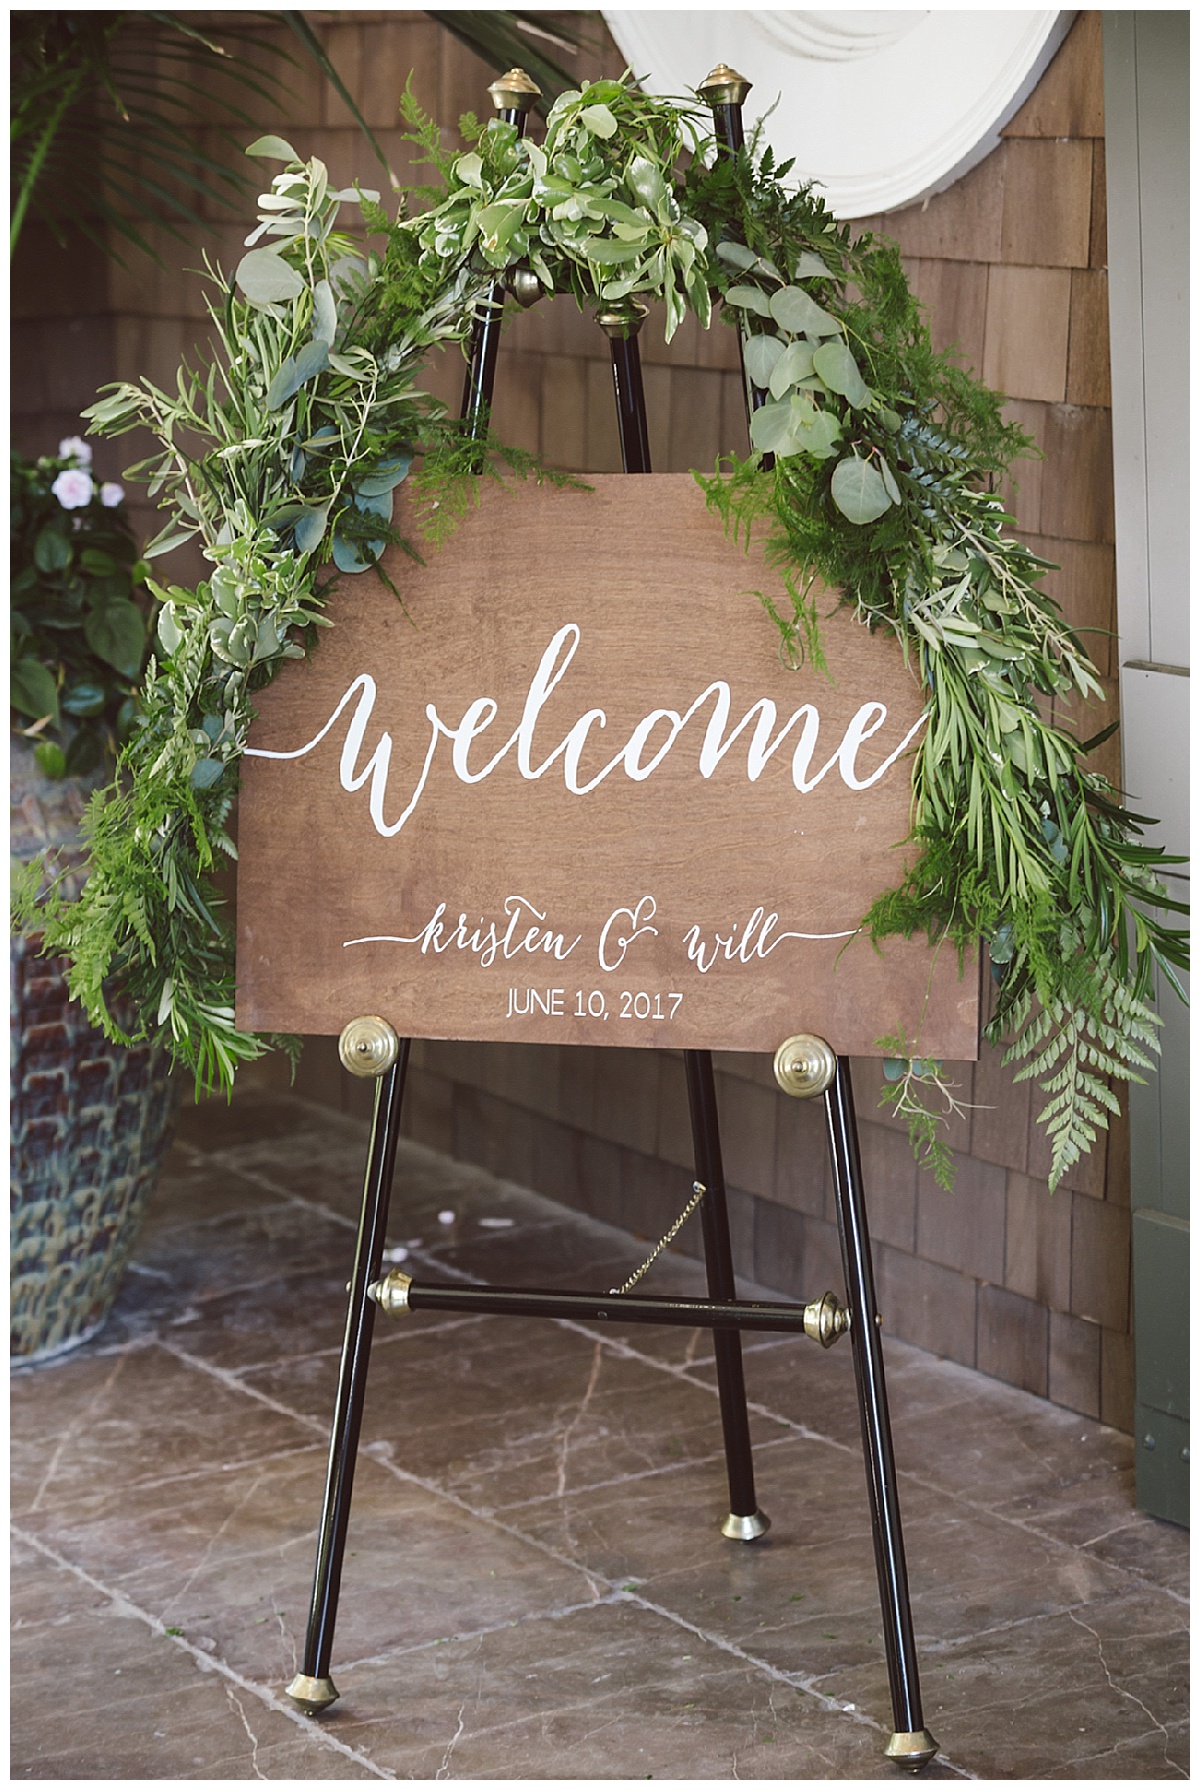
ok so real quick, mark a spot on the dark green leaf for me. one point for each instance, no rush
(83, 697)
(51, 550)
(117, 634)
(84, 753)
(101, 564)
(207, 772)
(32, 689)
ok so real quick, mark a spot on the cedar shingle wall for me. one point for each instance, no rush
(1011, 263)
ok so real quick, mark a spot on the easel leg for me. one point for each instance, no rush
(745, 1521)
(313, 1689)
(911, 1745)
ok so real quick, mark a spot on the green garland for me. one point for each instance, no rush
(283, 458)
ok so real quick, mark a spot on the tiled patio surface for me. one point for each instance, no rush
(536, 1586)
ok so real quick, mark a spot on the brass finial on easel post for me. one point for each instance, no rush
(724, 86)
(514, 92)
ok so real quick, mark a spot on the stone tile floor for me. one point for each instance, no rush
(536, 1586)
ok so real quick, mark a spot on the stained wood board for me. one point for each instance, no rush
(568, 792)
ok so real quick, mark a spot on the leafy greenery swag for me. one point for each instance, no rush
(282, 459)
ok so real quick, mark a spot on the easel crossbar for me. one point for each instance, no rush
(645, 1308)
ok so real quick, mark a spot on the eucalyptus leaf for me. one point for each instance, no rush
(207, 772)
(266, 278)
(817, 431)
(858, 490)
(283, 384)
(737, 254)
(749, 298)
(793, 425)
(793, 365)
(761, 354)
(325, 315)
(810, 267)
(274, 149)
(837, 367)
(385, 475)
(310, 360)
(376, 503)
(355, 556)
(310, 528)
(799, 314)
(347, 270)
(296, 371)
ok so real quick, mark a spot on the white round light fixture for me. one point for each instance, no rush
(878, 108)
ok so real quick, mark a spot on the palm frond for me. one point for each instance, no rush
(115, 93)
(507, 40)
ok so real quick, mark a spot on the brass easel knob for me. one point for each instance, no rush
(514, 92)
(805, 1065)
(524, 285)
(622, 320)
(368, 1046)
(391, 1293)
(724, 86)
(826, 1319)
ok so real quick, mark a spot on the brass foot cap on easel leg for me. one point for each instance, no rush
(912, 1752)
(312, 1694)
(745, 1528)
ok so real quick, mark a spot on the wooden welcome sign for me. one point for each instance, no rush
(568, 793)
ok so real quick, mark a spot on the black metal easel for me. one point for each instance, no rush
(804, 1066)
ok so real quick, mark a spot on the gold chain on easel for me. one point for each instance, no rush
(698, 1192)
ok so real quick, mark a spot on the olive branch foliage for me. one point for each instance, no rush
(871, 473)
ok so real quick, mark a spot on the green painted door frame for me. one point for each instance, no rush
(1147, 145)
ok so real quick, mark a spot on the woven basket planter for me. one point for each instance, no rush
(90, 1120)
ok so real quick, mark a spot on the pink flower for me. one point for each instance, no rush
(73, 448)
(111, 495)
(73, 489)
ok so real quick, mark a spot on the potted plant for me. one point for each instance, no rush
(89, 1117)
